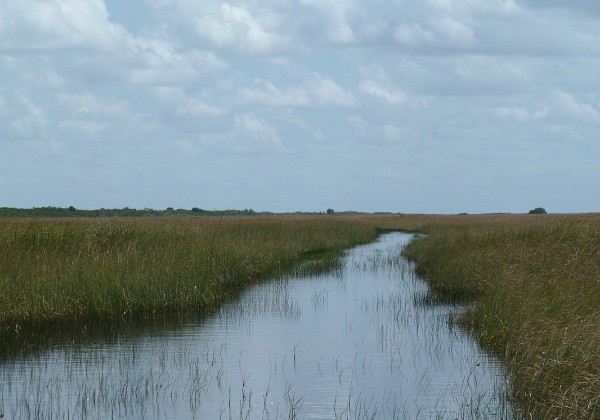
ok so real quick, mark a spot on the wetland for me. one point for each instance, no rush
(176, 316)
(361, 340)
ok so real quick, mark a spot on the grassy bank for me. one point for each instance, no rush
(536, 284)
(69, 269)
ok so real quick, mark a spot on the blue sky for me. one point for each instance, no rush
(430, 106)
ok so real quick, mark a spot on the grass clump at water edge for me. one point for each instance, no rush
(66, 270)
(537, 291)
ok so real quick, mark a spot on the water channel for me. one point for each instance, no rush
(360, 342)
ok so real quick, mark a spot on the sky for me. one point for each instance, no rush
(410, 106)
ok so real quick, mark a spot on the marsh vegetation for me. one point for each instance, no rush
(353, 342)
(54, 270)
(527, 286)
(536, 284)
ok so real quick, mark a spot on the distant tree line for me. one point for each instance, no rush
(71, 211)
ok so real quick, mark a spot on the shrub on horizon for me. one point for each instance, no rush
(538, 210)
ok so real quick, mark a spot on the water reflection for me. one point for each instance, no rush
(352, 344)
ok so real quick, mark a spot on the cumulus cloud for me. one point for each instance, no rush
(267, 93)
(317, 91)
(89, 128)
(568, 103)
(159, 62)
(327, 92)
(97, 45)
(585, 6)
(339, 29)
(455, 32)
(413, 35)
(56, 24)
(377, 84)
(235, 26)
(443, 32)
(358, 123)
(195, 108)
(519, 113)
(302, 79)
(31, 120)
(187, 106)
(258, 130)
(381, 91)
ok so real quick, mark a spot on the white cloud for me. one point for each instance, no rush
(31, 120)
(481, 84)
(581, 6)
(469, 7)
(568, 103)
(336, 11)
(159, 62)
(56, 24)
(519, 113)
(381, 91)
(359, 125)
(195, 107)
(413, 35)
(235, 26)
(392, 132)
(327, 92)
(455, 32)
(267, 93)
(185, 105)
(89, 128)
(317, 91)
(251, 127)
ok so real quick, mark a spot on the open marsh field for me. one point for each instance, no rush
(530, 282)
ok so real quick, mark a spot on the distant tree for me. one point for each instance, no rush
(196, 209)
(330, 211)
(169, 208)
(538, 210)
(71, 208)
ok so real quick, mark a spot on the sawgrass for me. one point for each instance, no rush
(535, 281)
(57, 269)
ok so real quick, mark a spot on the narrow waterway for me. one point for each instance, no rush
(360, 342)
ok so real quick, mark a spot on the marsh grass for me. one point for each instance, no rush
(535, 282)
(56, 270)
(384, 357)
(532, 281)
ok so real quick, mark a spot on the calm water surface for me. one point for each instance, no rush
(356, 343)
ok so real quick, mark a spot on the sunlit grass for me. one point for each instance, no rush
(93, 268)
(536, 281)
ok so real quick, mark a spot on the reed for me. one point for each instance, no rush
(56, 269)
(536, 285)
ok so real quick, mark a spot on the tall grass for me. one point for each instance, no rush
(536, 281)
(56, 270)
